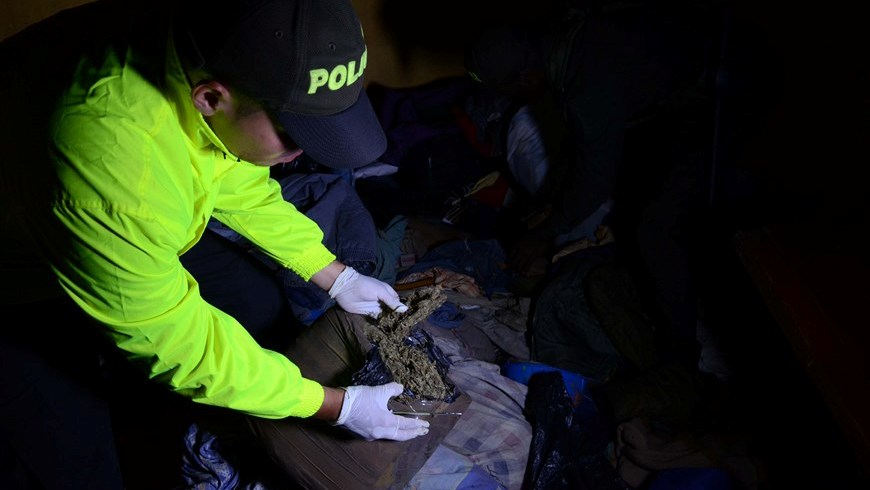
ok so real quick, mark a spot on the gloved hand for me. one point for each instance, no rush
(365, 412)
(360, 294)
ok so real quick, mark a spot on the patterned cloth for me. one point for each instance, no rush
(489, 446)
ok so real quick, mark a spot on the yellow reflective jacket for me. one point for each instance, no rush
(139, 174)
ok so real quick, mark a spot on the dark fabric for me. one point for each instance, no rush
(411, 115)
(63, 385)
(612, 297)
(564, 332)
(622, 69)
(429, 141)
(632, 81)
(490, 113)
(658, 216)
(348, 229)
(632, 89)
(482, 260)
(668, 394)
(54, 420)
(498, 56)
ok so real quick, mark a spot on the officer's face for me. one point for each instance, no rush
(252, 134)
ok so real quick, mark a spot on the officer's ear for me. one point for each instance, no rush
(210, 96)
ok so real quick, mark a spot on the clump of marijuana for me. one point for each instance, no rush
(408, 362)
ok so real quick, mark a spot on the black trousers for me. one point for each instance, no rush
(60, 379)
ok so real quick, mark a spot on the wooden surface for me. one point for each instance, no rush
(814, 278)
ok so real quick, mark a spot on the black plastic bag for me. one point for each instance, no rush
(375, 371)
(568, 442)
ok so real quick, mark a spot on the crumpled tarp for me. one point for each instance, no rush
(204, 468)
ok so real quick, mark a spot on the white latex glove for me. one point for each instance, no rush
(363, 295)
(365, 413)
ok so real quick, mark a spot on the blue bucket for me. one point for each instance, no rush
(521, 371)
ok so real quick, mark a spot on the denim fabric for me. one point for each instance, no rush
(348, 231)
(483, 260)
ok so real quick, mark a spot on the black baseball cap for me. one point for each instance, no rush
(303, 59)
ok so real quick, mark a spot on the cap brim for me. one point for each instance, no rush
(349, 139)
